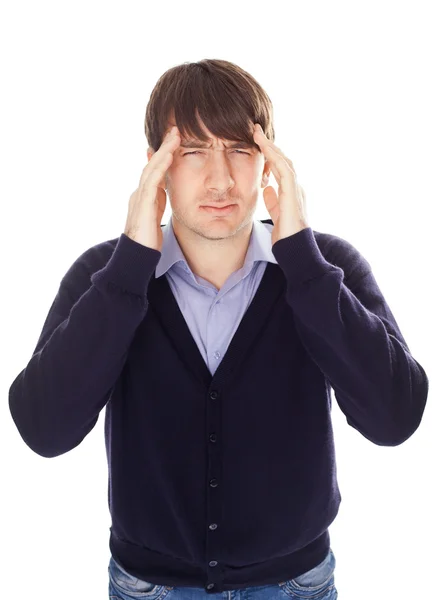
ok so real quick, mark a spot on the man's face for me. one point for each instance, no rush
(220, 172)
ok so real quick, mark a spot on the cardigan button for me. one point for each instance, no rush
(212, 437)
(213, 563)
(213, 483)
(214, 395)
(210, 586)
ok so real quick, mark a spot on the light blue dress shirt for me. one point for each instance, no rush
(213, 315)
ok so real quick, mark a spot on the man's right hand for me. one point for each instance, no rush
(147, 204)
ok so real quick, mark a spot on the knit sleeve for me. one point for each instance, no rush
(56, 399)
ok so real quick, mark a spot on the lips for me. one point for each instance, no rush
(220, 211)
(211, 206)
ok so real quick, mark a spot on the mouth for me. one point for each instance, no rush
(228, 208)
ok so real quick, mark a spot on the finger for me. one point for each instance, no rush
(270, 145)
(161, 159)
(278, 151)
(282, 171)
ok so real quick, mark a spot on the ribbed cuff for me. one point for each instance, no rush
(130, 267)
(300, 258)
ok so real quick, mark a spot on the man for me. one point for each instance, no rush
(213, 342)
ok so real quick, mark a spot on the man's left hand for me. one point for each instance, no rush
(288, 209)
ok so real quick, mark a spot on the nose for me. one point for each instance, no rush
(219, 172)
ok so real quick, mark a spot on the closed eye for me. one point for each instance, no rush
(197, 152)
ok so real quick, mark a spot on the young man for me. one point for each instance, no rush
(213, 342)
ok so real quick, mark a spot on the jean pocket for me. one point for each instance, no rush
(317, 583)
(132, 587)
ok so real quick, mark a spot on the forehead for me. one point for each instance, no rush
(191, 142)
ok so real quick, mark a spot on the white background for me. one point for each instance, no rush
(351, 87)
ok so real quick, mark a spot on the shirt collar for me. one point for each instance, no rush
(259, 248)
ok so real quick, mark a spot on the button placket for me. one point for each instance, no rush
(213, 483)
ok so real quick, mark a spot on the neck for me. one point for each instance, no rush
(213, 260)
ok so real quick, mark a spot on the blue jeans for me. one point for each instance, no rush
(317, 584)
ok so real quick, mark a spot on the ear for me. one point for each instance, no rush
(266, 173)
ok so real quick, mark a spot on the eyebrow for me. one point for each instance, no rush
(200, 144)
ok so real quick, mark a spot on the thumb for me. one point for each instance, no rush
(270, 198)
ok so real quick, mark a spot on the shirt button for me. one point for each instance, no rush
(213, 563)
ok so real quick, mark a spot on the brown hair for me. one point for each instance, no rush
(226, 98)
